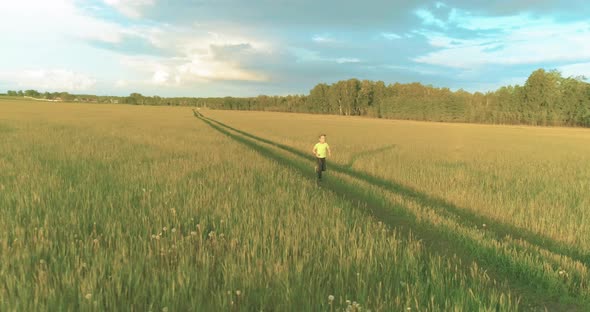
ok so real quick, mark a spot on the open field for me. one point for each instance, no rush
(149, 208)
(533, 178)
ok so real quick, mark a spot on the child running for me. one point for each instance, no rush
(321, 150)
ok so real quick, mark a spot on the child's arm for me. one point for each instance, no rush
(314, 151)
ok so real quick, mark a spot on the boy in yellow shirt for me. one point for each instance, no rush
(321, 150)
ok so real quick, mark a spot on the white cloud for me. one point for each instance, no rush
(417, 69)
(198, 69)
(130, 8)
(440, 41)
(517, 40)
(54, 20)
(475, 86)
(198, 55)
(390, 36)
(429, 19)
(344, 60)
(575, 70)
(50, 80)
(44, 44)
(323, 39)
(466, 20)
(161, 77)
(439, 5)
(195, 62)
(56, 24)
(121, 83)
(305, 55)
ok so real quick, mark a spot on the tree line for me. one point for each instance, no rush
(547, 99)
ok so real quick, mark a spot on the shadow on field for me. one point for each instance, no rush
(536, 291)
(466, 217)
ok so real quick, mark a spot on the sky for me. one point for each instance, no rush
(214, 48)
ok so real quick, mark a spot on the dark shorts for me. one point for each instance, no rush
(321, 164)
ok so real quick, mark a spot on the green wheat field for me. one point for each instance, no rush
(142, 208)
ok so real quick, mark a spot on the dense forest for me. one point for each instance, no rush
(546, 99)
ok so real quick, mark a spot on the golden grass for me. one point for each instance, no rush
(530, 177)
(106, 207)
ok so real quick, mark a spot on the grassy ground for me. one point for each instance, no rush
(106, 207)
(554, 269)
(536, 179)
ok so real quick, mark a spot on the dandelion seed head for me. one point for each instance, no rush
(238, 292)
(331, 298)
(88, 296)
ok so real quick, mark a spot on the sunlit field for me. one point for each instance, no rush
(537, 179)
(115, 207)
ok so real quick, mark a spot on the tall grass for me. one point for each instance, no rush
(535, 179)
(108, 207)
(556, 272)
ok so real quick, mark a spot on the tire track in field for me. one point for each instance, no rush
(467, 217)
(356, 157)
(437, 240)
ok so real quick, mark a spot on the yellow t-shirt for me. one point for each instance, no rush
(321, 149)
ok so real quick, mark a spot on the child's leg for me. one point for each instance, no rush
(319, 168)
